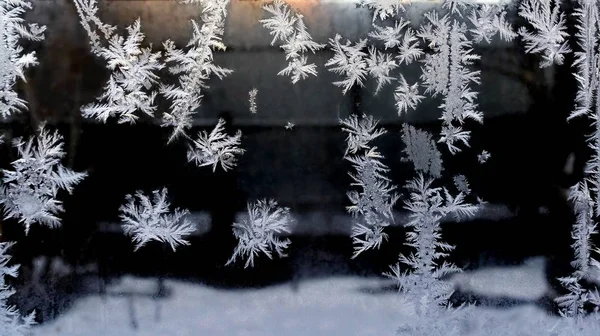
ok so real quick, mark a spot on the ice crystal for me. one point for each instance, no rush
(289, 28)
(549, 35)
(146, 219)
(133, 68)
(406, 96)
(29, 191)
(259, 232)
(13, 60)
(488, 21)
(372, 204)
(11, 321)
(252, 100)
(483, 156)
(194, 66)
(446, 72)
(216, 147)
(422, 151)
(349, 61)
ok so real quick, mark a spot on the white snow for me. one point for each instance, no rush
(325, 306)
(525, 282)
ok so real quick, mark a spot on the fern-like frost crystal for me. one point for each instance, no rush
(289, 28)
(259, 232)
(11, 321)
(586, 57)
(29, 191)
(572, 304)
(407, 96)
(427, 205)
(210, 149)
(133, 68)
(549, 35)
(13, 61)
(383, 9)
(252, 100)
(372, 204)
(194, 65)
(146, 219)
(422, 151)
(488, 21)
(446, 72)
(380, 65)
(349, 61)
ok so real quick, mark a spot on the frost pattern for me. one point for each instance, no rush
(360, 133)
(349, 61)
(133, 68)
(380, 65)
(12, 59)
(586, 58)
(372, 205)
(549, 36)
(146, 219)
(446, 72)
(252, 100)
(11, 321)
(289, 28)
(392, 37)
(407, 96)
(572, 303)
(216, 147)
(258, 232)
(384, 9)
(462, 184)
(422, 151)
(194, 65)
(488, 21)
(29, 191)
(427, 205)
(483, 156)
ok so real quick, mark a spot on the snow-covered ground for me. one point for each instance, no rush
(326, 306)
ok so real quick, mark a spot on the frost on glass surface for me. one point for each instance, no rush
(384, 9)
(407, 43)
(252, 100)
(288, 28)
(549, 35)
(148, 218)
(372, 204)
(11, 321)
(586, 56)
(427, 206)
(216, 147)
(29, 192)
(483, 156)
(13, 59)
(572, 304)
(259, 232)
(489, 21)
(422, 151)
(194, 66)
(407, 96)
(462, 184)
(380, 66)
(349, 61)
(133, 69)
(584, 195)
(447, 72)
